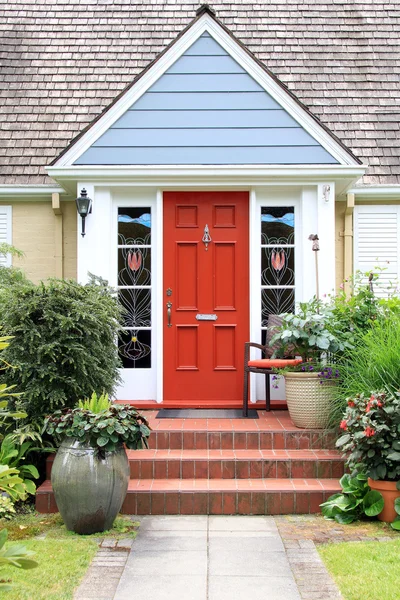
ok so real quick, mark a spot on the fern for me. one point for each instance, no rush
(96, 404)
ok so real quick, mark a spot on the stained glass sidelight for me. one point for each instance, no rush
(134, 266)
(134, 226)
(135, 348)
(277, 225)
(134, 286)
(277, 265)
(137, 304)
(275, 301)
(277, 261)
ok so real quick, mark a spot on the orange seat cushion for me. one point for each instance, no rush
(274, 363)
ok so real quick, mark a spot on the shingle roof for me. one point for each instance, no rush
(63, 62)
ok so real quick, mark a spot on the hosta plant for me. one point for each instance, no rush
(370, 440)
(396, 522)
(355, 500)
(309, 333)
(13, 455)
(12, 484)
(105, 431)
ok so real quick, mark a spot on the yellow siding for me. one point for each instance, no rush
(340, 208)
(70, 239)
(33, 232)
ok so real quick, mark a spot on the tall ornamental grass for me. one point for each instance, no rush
(373, 364)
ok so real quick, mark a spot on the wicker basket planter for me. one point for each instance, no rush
(308, 400)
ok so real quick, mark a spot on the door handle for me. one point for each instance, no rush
(169, 306)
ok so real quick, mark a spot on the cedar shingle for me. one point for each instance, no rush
(62, 63)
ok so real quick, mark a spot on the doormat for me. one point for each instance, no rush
(204, 413)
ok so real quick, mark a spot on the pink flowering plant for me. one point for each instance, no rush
(370, 437)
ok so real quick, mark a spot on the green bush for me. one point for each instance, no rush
(354, 314)
(64, 342)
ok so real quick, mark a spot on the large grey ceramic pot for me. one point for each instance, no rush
(89, 491)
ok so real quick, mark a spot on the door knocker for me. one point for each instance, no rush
(206, 237)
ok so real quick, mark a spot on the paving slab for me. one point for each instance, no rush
(241, 523)
(252, 588)
(173, 523)
(156, 586)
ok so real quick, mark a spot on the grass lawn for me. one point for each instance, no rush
(364, 570)
(63, 556)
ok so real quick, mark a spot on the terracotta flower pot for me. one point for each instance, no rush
(390, 493)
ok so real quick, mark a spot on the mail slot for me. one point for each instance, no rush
(201, 317)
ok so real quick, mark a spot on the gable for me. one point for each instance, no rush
(205, 109)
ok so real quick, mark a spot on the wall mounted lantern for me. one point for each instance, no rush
(84, 207)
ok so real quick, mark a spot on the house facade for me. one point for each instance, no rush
(212, 143)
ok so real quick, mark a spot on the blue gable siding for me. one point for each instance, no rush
(205, 109)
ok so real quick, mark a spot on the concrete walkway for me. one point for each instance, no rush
(208, 558)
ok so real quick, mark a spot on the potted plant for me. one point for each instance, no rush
(310, 334)
(90, 472)
(370, 442)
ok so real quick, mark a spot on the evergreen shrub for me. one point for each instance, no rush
(64, 342)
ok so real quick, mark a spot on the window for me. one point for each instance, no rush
(134, 286)
(277, 262)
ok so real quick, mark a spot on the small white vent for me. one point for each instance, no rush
(5, 233)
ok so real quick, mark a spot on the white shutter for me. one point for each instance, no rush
(376, 242)
(5, 233)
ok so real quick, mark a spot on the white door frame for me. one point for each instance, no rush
(97, 253)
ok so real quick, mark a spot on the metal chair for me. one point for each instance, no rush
(264, 366)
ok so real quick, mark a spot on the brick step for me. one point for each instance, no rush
(245, 437)
(215, 496)
(230, 464)
(234, 464)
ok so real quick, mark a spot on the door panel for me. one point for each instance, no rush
(203, 357)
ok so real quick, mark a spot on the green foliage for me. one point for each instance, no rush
(63, 344)
(12, 484)
(6, 392)
(310, 332)
(13, 455)
(7, 510)
(9, 249)
(15, 556)
(396, 523)
(355, 501)
(355, 313)
(105, 431)
(95, 404)
(370, 440)
(372, 364)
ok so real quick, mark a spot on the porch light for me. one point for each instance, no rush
(84, 207)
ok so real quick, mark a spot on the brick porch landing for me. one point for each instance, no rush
(227, 466)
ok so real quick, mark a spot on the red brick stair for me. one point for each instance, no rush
(211, 466)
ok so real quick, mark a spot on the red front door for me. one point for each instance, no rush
(206, 296)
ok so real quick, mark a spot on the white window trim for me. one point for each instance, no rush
(141, 384)
(7, 211)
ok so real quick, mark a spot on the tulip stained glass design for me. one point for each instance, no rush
(134, 285)
(277, 261)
